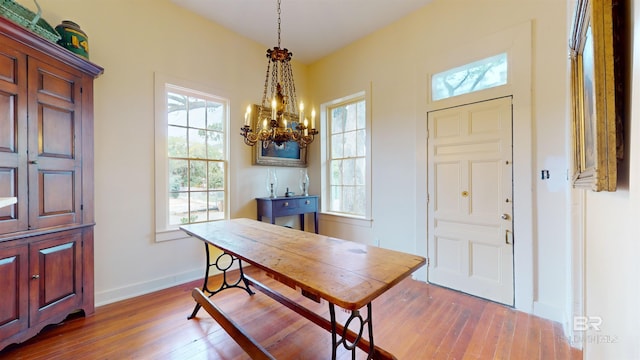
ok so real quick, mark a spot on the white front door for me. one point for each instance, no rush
(470, 211)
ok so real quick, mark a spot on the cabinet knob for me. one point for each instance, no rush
(34, 162)
(285, 204)
(307, 202)
(36, 276)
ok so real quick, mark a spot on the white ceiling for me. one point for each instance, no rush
(310, 29)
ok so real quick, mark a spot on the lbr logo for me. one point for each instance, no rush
(584, 323)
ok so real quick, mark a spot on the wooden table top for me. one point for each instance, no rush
(345, 273)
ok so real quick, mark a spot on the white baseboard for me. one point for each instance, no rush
(575, 338)
(548, 312)
(141, 288)
(145, 287)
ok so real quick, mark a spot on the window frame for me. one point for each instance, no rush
(162, 85)
(325, 153)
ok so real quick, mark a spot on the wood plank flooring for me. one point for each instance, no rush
(413, 320)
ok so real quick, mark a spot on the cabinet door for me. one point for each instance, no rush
(55, 271)
(13, 289)
(13, 138)
(55, 178)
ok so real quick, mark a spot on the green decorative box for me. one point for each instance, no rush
(28, 19)
(73, 38)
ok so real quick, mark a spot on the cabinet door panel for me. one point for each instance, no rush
(13, 139)
(13, 290)
(56, 275)
(55, 180)
(57, 192)
(56, 132)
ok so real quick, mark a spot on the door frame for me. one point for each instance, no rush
(517, 42)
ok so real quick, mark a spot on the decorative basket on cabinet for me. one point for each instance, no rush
(28, 19)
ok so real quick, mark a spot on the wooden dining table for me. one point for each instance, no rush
(343, 273)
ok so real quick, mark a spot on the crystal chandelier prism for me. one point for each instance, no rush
(278, 120)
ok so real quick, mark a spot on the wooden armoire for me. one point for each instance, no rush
(46, 161)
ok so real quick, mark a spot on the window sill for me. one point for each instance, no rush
(168, 235)
(347, 219)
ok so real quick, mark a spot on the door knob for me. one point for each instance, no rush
(505, 217)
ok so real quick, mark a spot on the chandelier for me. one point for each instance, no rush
(279, 122)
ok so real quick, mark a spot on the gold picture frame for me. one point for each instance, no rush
(287, 154)
(593, 90)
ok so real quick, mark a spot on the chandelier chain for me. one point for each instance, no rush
(264, 94)
(291, 88)
(279, 23)
(274, 80)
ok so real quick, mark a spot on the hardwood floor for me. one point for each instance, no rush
(414, 320)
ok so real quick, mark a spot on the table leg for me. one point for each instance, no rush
(302, 222)
(315, 220)
(223, 263)
(342, 339)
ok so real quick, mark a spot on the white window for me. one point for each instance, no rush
(191, 156)
(479, 75)
(346, 157)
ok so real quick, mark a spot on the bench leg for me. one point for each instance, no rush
(248, 344)
(223, 263)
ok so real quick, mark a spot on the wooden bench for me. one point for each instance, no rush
(343, 273)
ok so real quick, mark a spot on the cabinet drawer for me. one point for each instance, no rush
(285, 207)
(308, 205)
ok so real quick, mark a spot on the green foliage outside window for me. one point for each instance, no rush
(196, 155)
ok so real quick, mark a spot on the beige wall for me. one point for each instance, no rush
(132, 39)
(612, 233)
(396, 62)
(157, 36)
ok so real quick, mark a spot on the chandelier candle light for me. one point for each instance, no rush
(273, 127)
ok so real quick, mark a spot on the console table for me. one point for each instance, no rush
(287, 206)
(344, 273)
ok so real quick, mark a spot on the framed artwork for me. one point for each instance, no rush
(593, 93)
(287, 154)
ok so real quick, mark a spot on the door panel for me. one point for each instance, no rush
(56, 132)
(56, 275)
(55, 195)
(470, 192)
(13, 139)
(13, 290)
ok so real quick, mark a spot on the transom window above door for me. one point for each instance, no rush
(478, 75)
